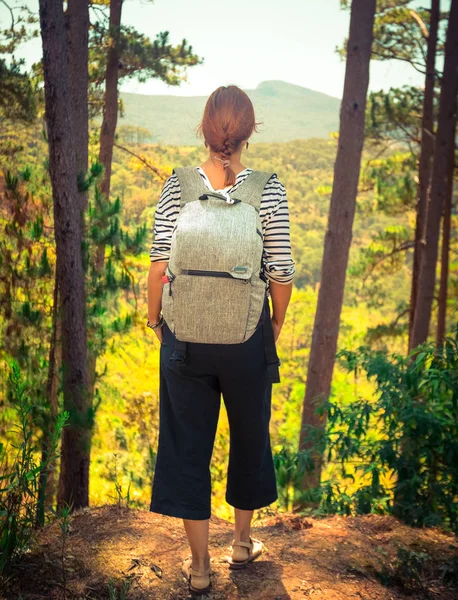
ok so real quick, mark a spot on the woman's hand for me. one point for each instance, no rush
(158, 333)
(157, 330)
(276, 325)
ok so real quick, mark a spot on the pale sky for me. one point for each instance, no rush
(245, 42)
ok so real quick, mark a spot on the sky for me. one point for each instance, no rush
(245, 42)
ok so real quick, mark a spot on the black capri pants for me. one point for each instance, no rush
(190, 395)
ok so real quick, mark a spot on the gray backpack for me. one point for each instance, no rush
(213, 291)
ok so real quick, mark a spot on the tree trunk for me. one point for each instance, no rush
(443, 148)
(47, 483)
(446, 227)
(339, 229)
(110, 109)
(77, 21)
(426, 155)
(70, 274)
(77, 27)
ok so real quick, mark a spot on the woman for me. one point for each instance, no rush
(190, 394)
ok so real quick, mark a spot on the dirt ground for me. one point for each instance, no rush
(124, 554)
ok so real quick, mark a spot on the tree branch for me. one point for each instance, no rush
(11, 12)
(145, 162)
(401, 248)
(416, 17)
(393, 56)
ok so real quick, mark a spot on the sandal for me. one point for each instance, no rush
(239, 557)
(199, 581)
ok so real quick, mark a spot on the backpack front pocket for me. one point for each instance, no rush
(195, 292)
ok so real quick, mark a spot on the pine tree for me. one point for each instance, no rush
(339, 229)
(443, 163)
(68, 234)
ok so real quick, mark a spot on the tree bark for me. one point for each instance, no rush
(443, 148)
(426, 155)
(77, 28)
(47, 483)
(70, 274)
(446, 228)
(339, 230)
(110, 111)
(77, 20)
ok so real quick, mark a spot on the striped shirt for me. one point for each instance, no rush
(278, 264)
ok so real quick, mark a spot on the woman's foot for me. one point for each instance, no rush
(243, 552)
(197, 575)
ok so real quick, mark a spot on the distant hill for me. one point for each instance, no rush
(288, 112)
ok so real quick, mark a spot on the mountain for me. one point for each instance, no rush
(288, 112)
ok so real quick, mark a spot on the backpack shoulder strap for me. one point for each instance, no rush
(251, 188)
(191, 184)
(249, 191)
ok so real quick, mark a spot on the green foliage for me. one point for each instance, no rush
(44, 267)
(18, 101)
(380, 268)
(129, 134)
(26, 273)
(122, 498)
(119, 590)
(397, 328)
(106, 247)
(394, 181)
(385, 256)
(139, 56)
(384, 252)
(394, 115)
(404, 440)
(19, 481)
(408, 570)
(17, 28)
(399, 32)
(64, 518)
(290, 468)
(28, 313)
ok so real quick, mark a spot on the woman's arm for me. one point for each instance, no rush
(278, 262)
(155, 284)
(164, 221)
(280, 294)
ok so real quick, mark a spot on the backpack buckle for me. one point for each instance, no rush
(221, 195)
(229, 200)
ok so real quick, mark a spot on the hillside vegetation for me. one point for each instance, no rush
(287, 111)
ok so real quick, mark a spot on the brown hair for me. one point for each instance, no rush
(228, 119)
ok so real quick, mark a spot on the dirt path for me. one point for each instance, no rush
(335, 558)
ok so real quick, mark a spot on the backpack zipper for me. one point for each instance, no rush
(171, 278)
(203, 273)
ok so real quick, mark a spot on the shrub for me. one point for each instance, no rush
(404, 440)
(19, 481)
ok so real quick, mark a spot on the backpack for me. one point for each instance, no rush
(214, 290)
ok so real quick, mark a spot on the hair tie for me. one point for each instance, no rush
(226, 161)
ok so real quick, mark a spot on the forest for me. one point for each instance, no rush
(364, 423)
